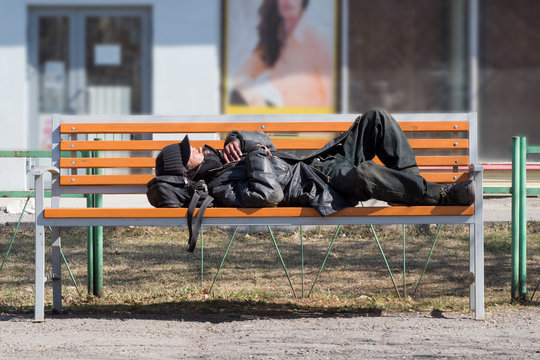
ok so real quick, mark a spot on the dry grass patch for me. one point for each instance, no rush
(146, 269)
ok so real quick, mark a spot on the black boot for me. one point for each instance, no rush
(462, 193)
(449, 194)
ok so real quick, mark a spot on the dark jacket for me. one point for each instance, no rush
(260, 180)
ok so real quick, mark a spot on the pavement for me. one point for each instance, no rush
(436, 335)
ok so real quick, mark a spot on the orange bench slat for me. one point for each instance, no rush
(289, 144)
(105, 180)
(149, 162)
(133, 162)
(220, 127)
(256, 212)
(142, 179)
(442, 160)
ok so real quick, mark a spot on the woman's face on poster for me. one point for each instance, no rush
(290, 8)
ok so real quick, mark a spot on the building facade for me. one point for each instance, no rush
(201, 57)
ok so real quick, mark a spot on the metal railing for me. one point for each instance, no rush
(519, 216)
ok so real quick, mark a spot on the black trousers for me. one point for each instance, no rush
(352, 172)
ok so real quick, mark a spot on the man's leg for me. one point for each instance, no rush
(351, 170)
(376, 133)
(372, 181)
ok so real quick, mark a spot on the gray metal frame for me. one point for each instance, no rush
(475, 221)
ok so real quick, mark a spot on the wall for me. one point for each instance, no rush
(13, 92)
(186, 57)
(509, 76)
(185, 66)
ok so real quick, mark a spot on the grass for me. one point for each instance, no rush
(146, 269)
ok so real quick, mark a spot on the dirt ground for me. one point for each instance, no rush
(507, 334)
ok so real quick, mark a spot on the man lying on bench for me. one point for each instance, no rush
(250, 172)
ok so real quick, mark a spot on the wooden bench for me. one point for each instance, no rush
(446, 147)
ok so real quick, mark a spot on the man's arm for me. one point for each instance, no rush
(256, 186)
(240, 142)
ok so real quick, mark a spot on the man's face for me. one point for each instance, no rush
(290, 8)
(196, 157)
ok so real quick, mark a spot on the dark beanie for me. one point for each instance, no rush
(173, 159)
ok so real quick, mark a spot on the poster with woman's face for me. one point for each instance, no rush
(280, 56)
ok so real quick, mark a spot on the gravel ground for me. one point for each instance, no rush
(508, 334)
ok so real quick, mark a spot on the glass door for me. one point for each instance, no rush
(114, 65)
(50, 83)
(87, 61)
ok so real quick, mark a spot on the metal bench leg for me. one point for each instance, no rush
(39, 295)
(385, 261)
(476, 236)
(57, 271)
(384, 257)
(39, 291)
(223, 259)
(427, 261)
(325, 258)
(281, 259)
(472, 292)
(477, 268)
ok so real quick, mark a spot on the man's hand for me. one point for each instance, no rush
(265, 149)
(232, 152)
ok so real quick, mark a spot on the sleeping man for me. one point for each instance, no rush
(250, 172)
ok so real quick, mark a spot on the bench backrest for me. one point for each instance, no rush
(445, 144)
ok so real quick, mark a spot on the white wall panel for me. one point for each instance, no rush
(185, 66)
(186, 57)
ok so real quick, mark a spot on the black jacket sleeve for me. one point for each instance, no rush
(249, 139)
(252, 182)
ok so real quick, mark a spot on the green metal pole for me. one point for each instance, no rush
(302, 257)
(515, 217)
(523, 220)
(534, 292)
(404, 269)
(202, 258)
(281, 259)
(90, 239)
(325, 258)
(70, 273)
(384, 259)
(14, 234)
(427, 261)
(223, 259)
(98, 239)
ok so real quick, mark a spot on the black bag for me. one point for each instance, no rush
(174, 191)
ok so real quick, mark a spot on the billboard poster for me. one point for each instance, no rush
(280, 56)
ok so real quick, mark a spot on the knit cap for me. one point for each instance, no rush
(173, 159)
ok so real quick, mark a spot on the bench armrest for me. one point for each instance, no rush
(39, 194)
(40, 170)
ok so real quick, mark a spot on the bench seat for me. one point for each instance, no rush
(123, 159)
(253, 213)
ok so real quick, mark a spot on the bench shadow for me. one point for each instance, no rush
(213, 311)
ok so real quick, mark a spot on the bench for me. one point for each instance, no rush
(445, 145)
